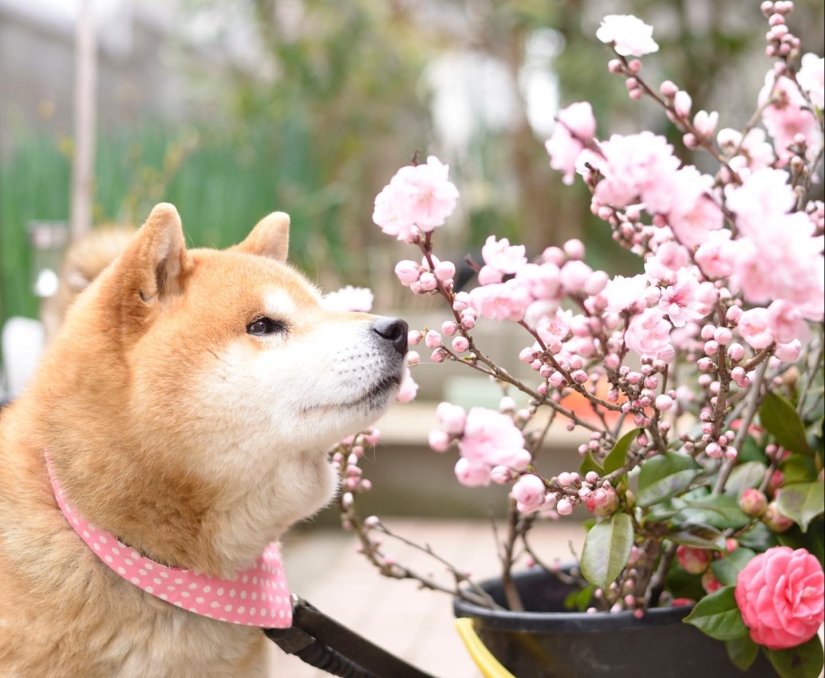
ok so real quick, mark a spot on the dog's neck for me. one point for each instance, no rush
(187, 523)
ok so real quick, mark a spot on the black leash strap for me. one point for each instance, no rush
(323, 643)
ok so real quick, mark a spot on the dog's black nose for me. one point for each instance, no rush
(394, 330)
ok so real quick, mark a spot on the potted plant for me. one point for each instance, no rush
(702, 376)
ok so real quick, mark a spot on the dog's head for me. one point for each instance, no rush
(217, 378)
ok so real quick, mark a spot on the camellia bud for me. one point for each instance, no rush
(693, 560)
(710, 583)
(776, 521)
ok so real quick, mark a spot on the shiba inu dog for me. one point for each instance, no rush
(185, 407)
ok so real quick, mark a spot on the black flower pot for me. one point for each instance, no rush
(549, 642)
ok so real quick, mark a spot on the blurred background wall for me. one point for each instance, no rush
(233, 108)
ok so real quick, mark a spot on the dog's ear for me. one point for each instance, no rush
(269, 238)
(153, 266)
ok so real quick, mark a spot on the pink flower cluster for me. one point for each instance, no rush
(489, 442)
(419, 198)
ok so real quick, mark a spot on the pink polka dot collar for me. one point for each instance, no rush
(258, 596)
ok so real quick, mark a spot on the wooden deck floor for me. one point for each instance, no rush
(323, 567)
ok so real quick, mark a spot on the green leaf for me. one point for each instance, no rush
(779, 417)
(751, 451)
(718, 616)
(698, 536)
(588, 464)
(802, 502)
(802, 661)
(664, 476)
(606, 550)
(728, 568)
(749, 474)
(579, 599)
(742, 652)
(759, 538)
(618, 455)
(797, 468)
(681, 584)
(721, 511)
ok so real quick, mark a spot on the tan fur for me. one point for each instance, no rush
(172, 428)
(83, 262)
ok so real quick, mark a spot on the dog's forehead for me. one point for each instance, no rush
(272, 286)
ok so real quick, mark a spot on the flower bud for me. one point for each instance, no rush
(444, 270)
(668, 89)
(602, 502)
(439, 440)
(776, 521)
(682, 104)
(432, 339)
(427, 281)
(564, 507)
(710, 583)
(408, 272)
(664, 402)
(501, 475)
(753, 502)
(693, 560)
(461, 344)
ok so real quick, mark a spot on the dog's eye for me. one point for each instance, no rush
(263, 327)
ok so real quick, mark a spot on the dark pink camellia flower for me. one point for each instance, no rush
(781, 594)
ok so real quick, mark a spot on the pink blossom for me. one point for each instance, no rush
(649, 334)
(787, 116)
(391, 213)
(529, 492)
(349, 298)
(503, 301)
(452, 417)
(408, 388)
(491, 438)
(754, 326)
(629, 35)
(811, 78)
(780, 594)
(786, 322)
(782, 259)
(716, 256)
(788, 353)
(679, 301)
(764, 195)
(576, 126)
(693, 213)
(488, 275)
(503, 256)
(637, 166)
(472, 474)
(555, 327)
(668, 259)
(574, 275)
(418, 196)
(623, 293)
(542, 280)
(539, 310)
